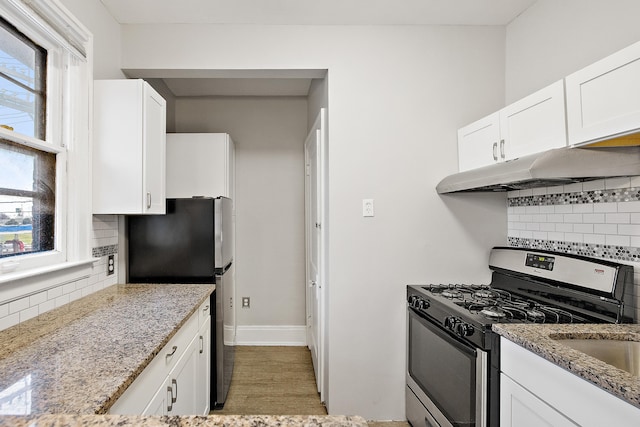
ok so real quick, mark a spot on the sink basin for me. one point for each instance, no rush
(624, 355)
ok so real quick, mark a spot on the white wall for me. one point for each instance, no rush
(555, 38)
(396, 97)
(269, 134)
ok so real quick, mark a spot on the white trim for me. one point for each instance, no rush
(285, 335)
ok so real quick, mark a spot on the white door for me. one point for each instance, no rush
(316, 226)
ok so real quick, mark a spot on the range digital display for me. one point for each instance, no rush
(542, 262)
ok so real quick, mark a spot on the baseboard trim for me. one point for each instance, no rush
(287, 335)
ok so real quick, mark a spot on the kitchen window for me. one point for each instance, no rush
(27, 175)
(45, 212)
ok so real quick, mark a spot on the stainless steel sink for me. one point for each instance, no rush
(624, 355)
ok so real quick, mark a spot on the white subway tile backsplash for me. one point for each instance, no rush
(4, 310)
(532, 210)
(18, 305)
(533, 226)
(513, 193)
(572, 218)
(526, 218)
(583, 228)
(594, 239)
(617, 240)
(635, 181)
(617, 218)
(29, 313)
(597, 184)
(547, 209)
(613, 183)
(46, 306)
(563, 209)
(635, 218)
(593, 218)
(573, 237)
(629, 206)
(556, 236)
(572, 188)
(555, 218)
(62, 300)
(520, 210)
(538, 191)
(585, 208)
(540, 235)
(605, 207)
(526, 234)
(54, 293)
(555, 190)
(38, 298)
(547, 226)
(9, 321)
(565, 228)
(527, 192)
(605, 228)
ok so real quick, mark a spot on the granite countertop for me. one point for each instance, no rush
(190, 421)
(539, 338)
(80, 357)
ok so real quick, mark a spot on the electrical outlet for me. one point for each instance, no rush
(111, 265)
(367, 207)
(246, 302)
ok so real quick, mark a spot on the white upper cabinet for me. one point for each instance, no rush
(128, 148)
(533, 124)
(200, 164)
(603, 99)
(478, 143)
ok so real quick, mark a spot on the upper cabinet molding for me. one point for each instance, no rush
(603, 99)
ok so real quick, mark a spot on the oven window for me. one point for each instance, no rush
(445, 372)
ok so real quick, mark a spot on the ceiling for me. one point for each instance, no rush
(300, 12)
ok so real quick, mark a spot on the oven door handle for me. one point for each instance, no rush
(444, 334)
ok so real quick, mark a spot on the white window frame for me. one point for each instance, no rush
(68, 120)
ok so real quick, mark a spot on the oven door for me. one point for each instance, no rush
(445, 374)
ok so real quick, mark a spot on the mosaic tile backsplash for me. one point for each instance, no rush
(598, 219)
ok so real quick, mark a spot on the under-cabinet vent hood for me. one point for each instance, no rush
(550, 168)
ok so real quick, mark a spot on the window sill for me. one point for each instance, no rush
(19, 284)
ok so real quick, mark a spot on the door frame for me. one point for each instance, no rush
(319, 126)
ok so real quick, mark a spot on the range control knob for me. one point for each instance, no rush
(423, 304)
(450, 322)
(464, 329)
(412, 300)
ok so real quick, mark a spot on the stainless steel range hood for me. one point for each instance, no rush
(550, 168)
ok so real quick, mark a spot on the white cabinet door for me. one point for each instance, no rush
(200, 164)
(203, 378)
(182, 382)
(603, 99)
(128, 148)
(478, 143)
(520, 408)
(534, 124)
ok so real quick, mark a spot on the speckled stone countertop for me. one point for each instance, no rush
(541, 339)
(80, 357)
(191, 421)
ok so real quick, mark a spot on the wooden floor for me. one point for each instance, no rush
(276, 381)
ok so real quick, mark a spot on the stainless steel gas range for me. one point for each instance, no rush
(453, 362)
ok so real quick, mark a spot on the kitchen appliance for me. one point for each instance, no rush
(192, 243)
(548, 168)
(453, 362)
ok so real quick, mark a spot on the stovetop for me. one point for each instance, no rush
(527, 287)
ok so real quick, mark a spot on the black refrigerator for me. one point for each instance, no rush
(192, 243)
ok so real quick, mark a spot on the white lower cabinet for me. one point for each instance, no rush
(521, 408)
(536, 392)
(176, 382)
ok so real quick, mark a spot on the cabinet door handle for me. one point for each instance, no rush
(175, 384)
(201, 344)
(173, 351)
(148, 200)
(205, 308)
(495, 151)
(170, 399)
(502, 149)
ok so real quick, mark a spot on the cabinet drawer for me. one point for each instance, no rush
(204, 312)
(136, 398)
